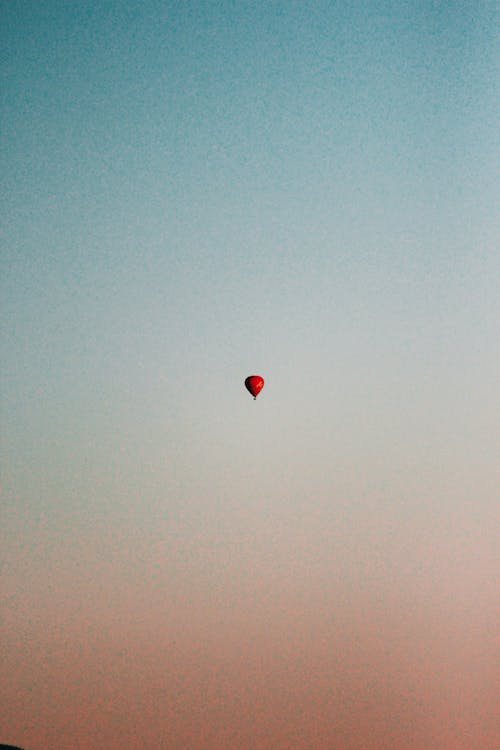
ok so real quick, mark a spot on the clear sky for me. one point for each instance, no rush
(194, 192)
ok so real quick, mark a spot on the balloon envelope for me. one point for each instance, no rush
(254, 384)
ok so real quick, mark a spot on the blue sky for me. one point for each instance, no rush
(194, 192)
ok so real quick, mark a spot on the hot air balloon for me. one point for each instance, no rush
(254, 384)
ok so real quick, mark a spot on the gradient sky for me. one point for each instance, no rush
(194, 192)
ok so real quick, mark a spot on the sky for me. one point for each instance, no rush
(193, 192)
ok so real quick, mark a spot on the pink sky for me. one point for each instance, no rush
(281, 642)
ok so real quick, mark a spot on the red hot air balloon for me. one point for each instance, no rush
(254, 384)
